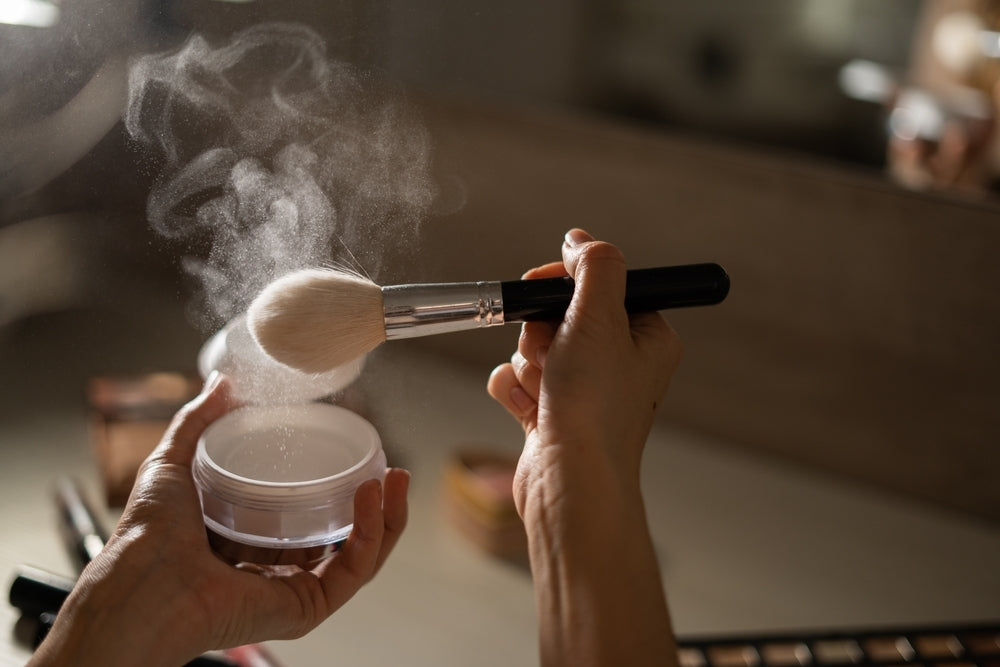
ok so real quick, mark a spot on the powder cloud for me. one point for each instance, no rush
(276, 158)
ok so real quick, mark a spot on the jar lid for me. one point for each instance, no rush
(257, 379)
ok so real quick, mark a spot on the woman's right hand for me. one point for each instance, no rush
(586, 389)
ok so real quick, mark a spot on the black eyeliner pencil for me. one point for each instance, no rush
(79, 525)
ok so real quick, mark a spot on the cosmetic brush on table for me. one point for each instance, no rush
(317, 319)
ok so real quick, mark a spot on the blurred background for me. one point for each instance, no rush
(765, 72)
(781, 74)
(838, 157)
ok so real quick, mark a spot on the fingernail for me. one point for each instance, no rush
(213, 380)
(540, 356)
(575, 237)
(521, 399)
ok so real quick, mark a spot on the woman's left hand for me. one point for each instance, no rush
(158, 595)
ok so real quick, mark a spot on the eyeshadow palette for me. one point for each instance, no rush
(964, 646)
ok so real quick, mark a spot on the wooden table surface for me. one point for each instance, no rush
(746, 543)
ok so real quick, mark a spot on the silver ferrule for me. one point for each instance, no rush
(432, 308)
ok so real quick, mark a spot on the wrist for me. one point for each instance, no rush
(581, 516)
(598, 586)
(131, 617)
(562, 486)
(583, 519)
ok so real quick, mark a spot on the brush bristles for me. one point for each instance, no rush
(317, 319)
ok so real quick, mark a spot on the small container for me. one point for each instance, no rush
(277, 483)
(277, 477)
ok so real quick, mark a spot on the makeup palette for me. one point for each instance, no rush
(960, 646)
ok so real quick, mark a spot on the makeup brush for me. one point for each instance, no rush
(317, 319)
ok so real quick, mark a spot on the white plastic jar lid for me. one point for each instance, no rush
(258, 379)
(284, 476)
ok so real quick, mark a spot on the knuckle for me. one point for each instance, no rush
(601, 251)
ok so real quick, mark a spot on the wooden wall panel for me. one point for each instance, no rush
(861, 330)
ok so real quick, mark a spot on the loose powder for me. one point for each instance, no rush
(277, 158)
(287, 454)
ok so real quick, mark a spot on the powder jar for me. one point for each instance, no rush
(277, 483)
(277, 477)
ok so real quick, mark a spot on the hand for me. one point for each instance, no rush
(158, 595)
(586, 390)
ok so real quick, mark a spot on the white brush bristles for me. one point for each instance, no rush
(317, 319)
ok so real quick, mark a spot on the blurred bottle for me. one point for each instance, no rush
(942, 125)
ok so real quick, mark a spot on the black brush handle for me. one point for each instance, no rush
(646, 290)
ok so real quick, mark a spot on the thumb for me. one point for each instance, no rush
(179, 442)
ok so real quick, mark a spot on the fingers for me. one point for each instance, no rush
(179, 442)
(506, 390)
(395, 509)
(575, 238)
(517, 385)
(380, 516)
(529, 376)
(528, 360)
(550, 270)
(534, 342)
(286, 602)
(599, 271)
(354, 564)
